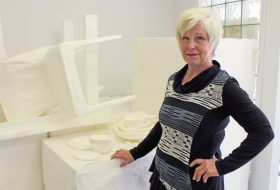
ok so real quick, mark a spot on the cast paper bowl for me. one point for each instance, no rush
(101, 143)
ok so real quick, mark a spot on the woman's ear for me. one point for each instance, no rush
(214, 49)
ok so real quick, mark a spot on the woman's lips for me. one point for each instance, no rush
(192, 54)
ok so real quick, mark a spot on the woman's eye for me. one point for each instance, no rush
(200, 38)
(185, 37)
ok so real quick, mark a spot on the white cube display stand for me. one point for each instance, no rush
(61, 170)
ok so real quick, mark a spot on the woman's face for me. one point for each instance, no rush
(195, 47)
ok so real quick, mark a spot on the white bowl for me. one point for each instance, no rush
(101, 143)
(79, 143)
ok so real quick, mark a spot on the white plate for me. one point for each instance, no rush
(87, 156)
(79, 143)
(131, 135)
(145, 127)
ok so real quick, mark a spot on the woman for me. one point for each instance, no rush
(198, 102)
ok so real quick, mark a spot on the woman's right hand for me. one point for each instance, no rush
(125, 155)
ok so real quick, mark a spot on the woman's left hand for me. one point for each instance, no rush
(206, 169)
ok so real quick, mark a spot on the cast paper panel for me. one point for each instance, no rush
(62, 70)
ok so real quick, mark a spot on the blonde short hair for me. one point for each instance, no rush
(210, 22)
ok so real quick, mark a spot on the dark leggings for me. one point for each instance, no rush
(155, 182)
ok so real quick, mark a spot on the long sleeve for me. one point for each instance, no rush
(149, 143)
(252, 119)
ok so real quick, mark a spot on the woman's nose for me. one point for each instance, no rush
(191, 44)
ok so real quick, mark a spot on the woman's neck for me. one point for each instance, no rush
(194, 71)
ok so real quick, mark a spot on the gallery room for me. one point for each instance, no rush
(91, 96)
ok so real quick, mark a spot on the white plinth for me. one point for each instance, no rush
(62, 171)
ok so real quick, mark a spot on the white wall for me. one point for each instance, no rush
(2, 45)
(181, 5)
(29, 24)
(265, 167)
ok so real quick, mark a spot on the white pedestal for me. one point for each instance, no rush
(62, 171)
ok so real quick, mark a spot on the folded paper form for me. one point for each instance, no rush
(25, 89)
(37, 81)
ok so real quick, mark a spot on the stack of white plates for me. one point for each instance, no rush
(135, 126)
(129, 133)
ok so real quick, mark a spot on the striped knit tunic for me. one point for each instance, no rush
(191, 125)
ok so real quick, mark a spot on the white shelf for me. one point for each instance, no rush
(56, 122)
